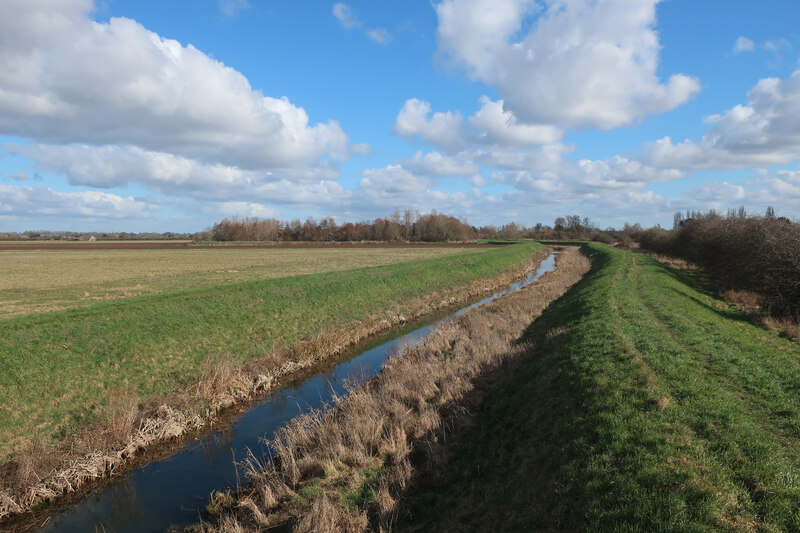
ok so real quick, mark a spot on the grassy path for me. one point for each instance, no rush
(58, 370)
(647, 405)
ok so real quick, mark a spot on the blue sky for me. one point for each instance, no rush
(124, 115)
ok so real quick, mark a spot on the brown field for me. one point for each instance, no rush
(184, 245)
(57, 276)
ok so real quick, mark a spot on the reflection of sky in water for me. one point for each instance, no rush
(174, 491)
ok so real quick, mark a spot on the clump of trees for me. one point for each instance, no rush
(406, 226)
(410, 226)
(754, 253)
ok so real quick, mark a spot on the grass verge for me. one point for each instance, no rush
(63, 371)
(648, 405)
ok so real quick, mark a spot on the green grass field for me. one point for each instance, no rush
(647, 405)
(36, 281)
(57, 368)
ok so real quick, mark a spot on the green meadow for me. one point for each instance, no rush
(57, 369)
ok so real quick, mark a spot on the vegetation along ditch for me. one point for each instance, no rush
(232, 346)
(185, 480)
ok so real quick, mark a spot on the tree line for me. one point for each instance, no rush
(405, 226)
(739, 251)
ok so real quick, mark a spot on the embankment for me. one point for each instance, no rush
(347, 468)
(207, 348)
(648, 405)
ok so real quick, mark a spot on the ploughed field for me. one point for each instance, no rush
(156, 320)
(58, 276)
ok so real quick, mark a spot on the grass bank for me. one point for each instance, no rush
(62, 371)
(648, 405)
(346, 469)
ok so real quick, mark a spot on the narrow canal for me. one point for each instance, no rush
(171, 493)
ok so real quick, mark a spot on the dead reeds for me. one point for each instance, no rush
(345, 468)
(44, 472)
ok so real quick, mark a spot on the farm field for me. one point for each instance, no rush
(58, 370)
(36, 281)
(648, 405)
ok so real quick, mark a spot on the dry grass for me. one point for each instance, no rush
(784, 326)
(39, 281)
(674, 262)
(44, 472)
(748, 301)
(345, 469)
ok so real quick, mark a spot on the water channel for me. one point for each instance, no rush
(171, 493)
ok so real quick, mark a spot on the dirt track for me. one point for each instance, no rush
(183, 245)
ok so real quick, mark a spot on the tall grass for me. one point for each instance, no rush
(346, 469)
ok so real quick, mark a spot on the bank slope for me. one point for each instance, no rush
(647, 405)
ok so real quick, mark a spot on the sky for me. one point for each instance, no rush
(140, 115)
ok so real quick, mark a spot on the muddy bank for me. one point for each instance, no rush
(183, 412)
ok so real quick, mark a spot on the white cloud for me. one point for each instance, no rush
(438, 164)
(20, 176)
(379, 35)
(490, 125)
(743, 44)
(37, 202)
(117, 166)
(69, 79)
(716, 193)
(345, 16)
(582, 63)
(765, 132)
(442, 129)
(776, 45)
(493, 124)
(239, 209)
(348, 21)
(232, 8)
(393, 186)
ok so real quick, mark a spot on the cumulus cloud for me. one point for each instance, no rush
(765, 132)
(490, 125)
(348, 20)
(385, 188)
(441, 128)
(493, 124)
(743, 44)
(69, 79)
(117, 166)
(582, 63)
(26, 202)
(438, 164)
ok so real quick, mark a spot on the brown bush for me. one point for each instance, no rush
(757, 254)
